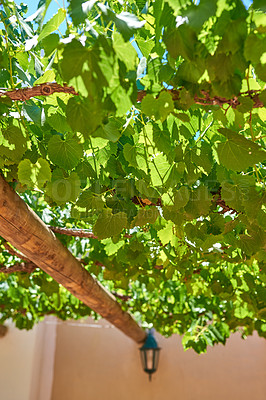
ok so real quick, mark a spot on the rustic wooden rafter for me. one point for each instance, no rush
(24, 230)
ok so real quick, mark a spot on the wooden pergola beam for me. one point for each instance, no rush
(21, 227)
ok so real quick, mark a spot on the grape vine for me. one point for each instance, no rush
(136, 131)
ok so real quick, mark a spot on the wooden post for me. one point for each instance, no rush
(21, 227)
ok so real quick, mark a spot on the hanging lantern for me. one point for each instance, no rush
(149, 353)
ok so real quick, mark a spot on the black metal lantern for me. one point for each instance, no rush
(149, 353)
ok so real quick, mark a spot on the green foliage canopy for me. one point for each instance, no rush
(160, 156)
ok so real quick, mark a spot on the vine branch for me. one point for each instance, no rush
(46, 89)
(15, 253)
(25, 266)
(28, 267)
(82, 233)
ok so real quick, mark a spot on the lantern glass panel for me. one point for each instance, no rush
(156, 358)
(149, 359)
(143, 358)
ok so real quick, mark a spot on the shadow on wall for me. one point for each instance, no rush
(3, 330)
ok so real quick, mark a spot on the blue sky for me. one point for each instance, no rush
(32, 6)
(247, 2)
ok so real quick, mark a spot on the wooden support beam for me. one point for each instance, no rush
(20, 226)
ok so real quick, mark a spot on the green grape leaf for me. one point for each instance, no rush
(160, 170)
(238, 153)
(108, 224)
(64, 153)
(125, 51)
(263, 97)
(181, 197)
(58, 122)
(34, 175)
(77, 11)
(246, 104)
(126, 23)
(159, 152)
(110, 131)
(254, 48)
(53, 24)
(181, 41)
(145, 216)
(259, 4)
(199, 203)
(201, 157)
(130, 154)
(13, 143)
(146, 190)
(166, 234)
(89, 201)
(161, 138)
(197, 15)
(83, 116)
(239, 189)
(75, 59)
(261, 71)
(145, 46)
(63, 188)
(48, 76)
(159, 108)
(50, 42)
(122, 98)
(85, 171)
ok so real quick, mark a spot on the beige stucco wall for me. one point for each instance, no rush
(97, 362)
(43, 362)
(26, 362)
(17, 351)
(94, 361)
